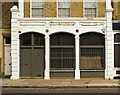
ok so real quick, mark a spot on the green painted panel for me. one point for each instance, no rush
(38, 63)
(92, 74)
(25, 63)
(62, 74)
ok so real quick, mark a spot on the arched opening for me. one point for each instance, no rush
(32, 55)
(62, 55)
(92, 55)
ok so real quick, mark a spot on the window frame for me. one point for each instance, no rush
(84, 9)
(58, 8)
(31, 10)
(115, 43)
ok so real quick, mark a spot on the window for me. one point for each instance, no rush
(62, 51)
(92, 51)
(7, 40)
(37, 8)
(117, 50)
(64, 8)
(90, 8)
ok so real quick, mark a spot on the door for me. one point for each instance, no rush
(32, 55)
(38, 57)
(7, 59)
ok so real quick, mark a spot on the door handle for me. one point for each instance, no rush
(26, 64)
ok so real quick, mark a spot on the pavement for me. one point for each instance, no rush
(61, 83)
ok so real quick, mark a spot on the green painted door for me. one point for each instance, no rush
(32, 55)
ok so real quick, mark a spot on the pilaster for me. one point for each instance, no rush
(109, 71)
(47, 57)
(77, 48)
(14, 43)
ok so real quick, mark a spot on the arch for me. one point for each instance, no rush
(98, 32)
(62, 54)
(92, 54)
(32, 56)
(92, 38)
(73, 33)
(24, 32)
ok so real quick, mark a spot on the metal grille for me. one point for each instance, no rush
(62, 52)
(92, 51)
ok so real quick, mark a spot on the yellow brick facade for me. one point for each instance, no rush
(116, 11)
(5, 26)
(6, 14)
(27, 8)
(76, 9)
(50, 8)
(101, 6)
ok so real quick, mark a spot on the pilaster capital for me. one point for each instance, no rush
(14, 9)
(77, 37)
(47, 37)
(109, 9)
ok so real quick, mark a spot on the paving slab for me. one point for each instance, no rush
(60, 83)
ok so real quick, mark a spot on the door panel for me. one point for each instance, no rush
(7, 60)
(32, 55)
(38, 63)
(26, 62)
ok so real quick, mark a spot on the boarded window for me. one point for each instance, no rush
(37, 8)
(64, 8)
(62, 52)
(90, 8)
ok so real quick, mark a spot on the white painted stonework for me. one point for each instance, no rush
(69, 25)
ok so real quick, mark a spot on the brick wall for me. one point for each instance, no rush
(76, 9)
(50, 8)
(5, 27)
(27, 8)
(115, 11)
(6, 14)
(101, 6)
